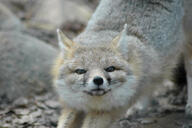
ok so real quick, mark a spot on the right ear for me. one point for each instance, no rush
(65, 44)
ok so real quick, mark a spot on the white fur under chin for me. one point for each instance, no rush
(117, 98)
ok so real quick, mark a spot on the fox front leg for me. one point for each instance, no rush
(97, 120)
(188, 67)
(67, 118)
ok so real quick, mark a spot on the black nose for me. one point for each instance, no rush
(98, 80)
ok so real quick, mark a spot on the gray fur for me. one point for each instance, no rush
(188, 53)
(152, 45)
(158, 21)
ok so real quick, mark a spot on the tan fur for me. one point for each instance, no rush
(93, 119)
(55, 69)
(97, 120)
(67, 118)
(139, 56)
(134, 61)
(58, 63)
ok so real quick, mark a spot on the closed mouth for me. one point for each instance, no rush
(97, 92)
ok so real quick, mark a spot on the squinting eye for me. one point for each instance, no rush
(80, 71)
(110, 69)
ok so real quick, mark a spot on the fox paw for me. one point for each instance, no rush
(188, 110)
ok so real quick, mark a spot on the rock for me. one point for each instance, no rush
(52, 14)
(129, 124)
(147, 121)
(187, 126)
(24, 119)
(36, 114)
(41, 105)
(6, 125)
(25, 64)
(21, 102)
(52, 104)
(22, 111)
(8, 21)
(21, 8)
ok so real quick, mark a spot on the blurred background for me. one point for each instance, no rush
(28, 46)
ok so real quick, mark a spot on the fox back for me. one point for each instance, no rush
(125, 48)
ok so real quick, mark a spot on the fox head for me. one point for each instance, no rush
(96, 76)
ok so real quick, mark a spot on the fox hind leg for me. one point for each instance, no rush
(188, 68)
(140, 105)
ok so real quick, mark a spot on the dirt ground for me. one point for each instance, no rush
(41, 111)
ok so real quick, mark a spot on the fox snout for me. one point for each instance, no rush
(98, 80)
(97, 84)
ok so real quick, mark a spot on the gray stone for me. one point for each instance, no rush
(51, 14)
(25, 64)
(8, 21)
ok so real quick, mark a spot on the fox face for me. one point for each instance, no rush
(94, 77)
(94, 71)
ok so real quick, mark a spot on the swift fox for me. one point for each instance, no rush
(127, 49)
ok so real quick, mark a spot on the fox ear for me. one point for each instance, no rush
(65, 44)
(120, 41)
(125, 44)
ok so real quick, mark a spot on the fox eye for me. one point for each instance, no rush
(110, 69)
(80, 71)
